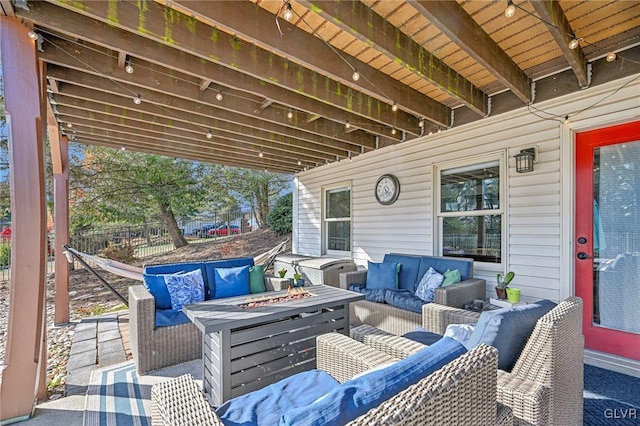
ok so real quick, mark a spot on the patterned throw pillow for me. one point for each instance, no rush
(431, 280)
(185, 289)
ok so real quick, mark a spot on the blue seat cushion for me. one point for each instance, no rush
(231, 281)
(210, 266)
(267, 405)
(508, 329)
(370, 294)
(404, 299)
(408, 276)
(355, 397)
(169, 317)
(382, 275)
(422, 335)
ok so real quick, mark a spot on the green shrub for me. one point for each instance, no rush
(5, 254)
(280, 217)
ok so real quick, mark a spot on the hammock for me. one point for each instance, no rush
(135, 273)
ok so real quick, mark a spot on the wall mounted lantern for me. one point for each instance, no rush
(525, 159)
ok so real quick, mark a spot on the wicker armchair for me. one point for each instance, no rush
(461, 392)
(546, 384)
(400, 321)
(157, 347)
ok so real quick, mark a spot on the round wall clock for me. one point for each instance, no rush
(387, 189)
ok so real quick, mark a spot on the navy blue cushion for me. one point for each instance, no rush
(441, 264)
(370, 294)
(222, 263)
(355, 397)
(408, 273)
(157, 287)
(267, 405)
(404, 299)
(382, 275)
(168, 317)
(172, 268)
(508, 329)
(231, 281)
(422, 335)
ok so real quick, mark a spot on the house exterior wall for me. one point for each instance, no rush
(539, 212)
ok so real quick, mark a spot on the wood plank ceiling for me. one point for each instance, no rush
(235, 83)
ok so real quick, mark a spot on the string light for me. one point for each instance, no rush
(219, 96)
(128, 67)
(123, 148)
(209, 134)
(421, 123)
(299, 163)
(137, 99)
(356, 75)
(288, 13)
(32, 35)
(69, 125)
(566, 119)
(611, 56)
(393, 131)
(260, 154)
(347, 125)
(574, 43)
(510, 10)
(394, 107)
(290, 114)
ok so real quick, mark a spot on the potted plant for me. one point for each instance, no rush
(282, 272)
(503, 283)
(298, 280)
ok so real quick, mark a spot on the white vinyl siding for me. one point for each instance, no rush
(538, 228)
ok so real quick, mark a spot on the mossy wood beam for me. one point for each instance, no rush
(252, 22)
(62, 21)
(165, 26)
(173, 131)
(362, 22)
(557, 23)
(450, 18)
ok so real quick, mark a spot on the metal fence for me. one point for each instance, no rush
(147, 239)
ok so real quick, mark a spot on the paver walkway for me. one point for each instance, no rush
(97, 342)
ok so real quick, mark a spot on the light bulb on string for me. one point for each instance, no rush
(288, 13)
(128, 68)
(356, 75)
(574, 43)
(299, 163)
(347, 125)
(510, 10)
(32, 35)
(260, 154)
(137, 99)
(393, 131)
(421, 123)
(394, 107)
(219, 96)
(290, 114)
(69, 125)
(611, 56)
(209, 134)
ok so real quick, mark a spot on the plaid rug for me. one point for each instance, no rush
(117, 395)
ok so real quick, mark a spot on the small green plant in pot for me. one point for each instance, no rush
(282, 272)
(503, 283)
(298, 280)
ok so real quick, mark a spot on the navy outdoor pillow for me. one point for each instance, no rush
(157, 287)
(382, 275)
(267, 405)
(508, 330)
(231, 282)
(422, 335)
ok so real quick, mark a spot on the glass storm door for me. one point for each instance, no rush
(607, 246)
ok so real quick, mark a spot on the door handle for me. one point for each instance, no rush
(583, 256)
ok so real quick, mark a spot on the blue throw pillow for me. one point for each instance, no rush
(422, 335)
(267, 405)
(382, 275)
(185, 288)
(508, 330)
(355, 397)
(231, 281)
(158, 288)
(431, 280)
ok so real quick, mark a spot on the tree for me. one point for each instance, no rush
(114, 185)
(257, 189)
(280, 217)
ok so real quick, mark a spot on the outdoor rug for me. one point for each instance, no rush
(610, 398)
(117, 395)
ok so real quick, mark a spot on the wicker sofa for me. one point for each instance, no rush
(398, 320)
(463, 391)
(545, 385)
(155, 346)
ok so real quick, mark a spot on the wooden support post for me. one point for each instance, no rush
(60, 160)
(26, 332)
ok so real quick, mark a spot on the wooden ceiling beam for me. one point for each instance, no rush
(96, 137)
(252, 22)
(165, 86)
(450, 18)
(239, 151)
(163, 126)
(105, 35)
(558, 25)
(211, 44)
(362, 22)
(204, 84)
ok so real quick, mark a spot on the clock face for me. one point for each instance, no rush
(387, 189)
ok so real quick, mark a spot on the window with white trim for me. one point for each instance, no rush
(470, 211)
(337, 220)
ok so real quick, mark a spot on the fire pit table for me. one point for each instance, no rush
(252, 341)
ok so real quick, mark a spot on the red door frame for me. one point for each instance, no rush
(598, 338)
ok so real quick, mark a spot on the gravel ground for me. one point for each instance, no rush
(88, 297)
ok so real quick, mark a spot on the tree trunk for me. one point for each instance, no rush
(172, 226)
